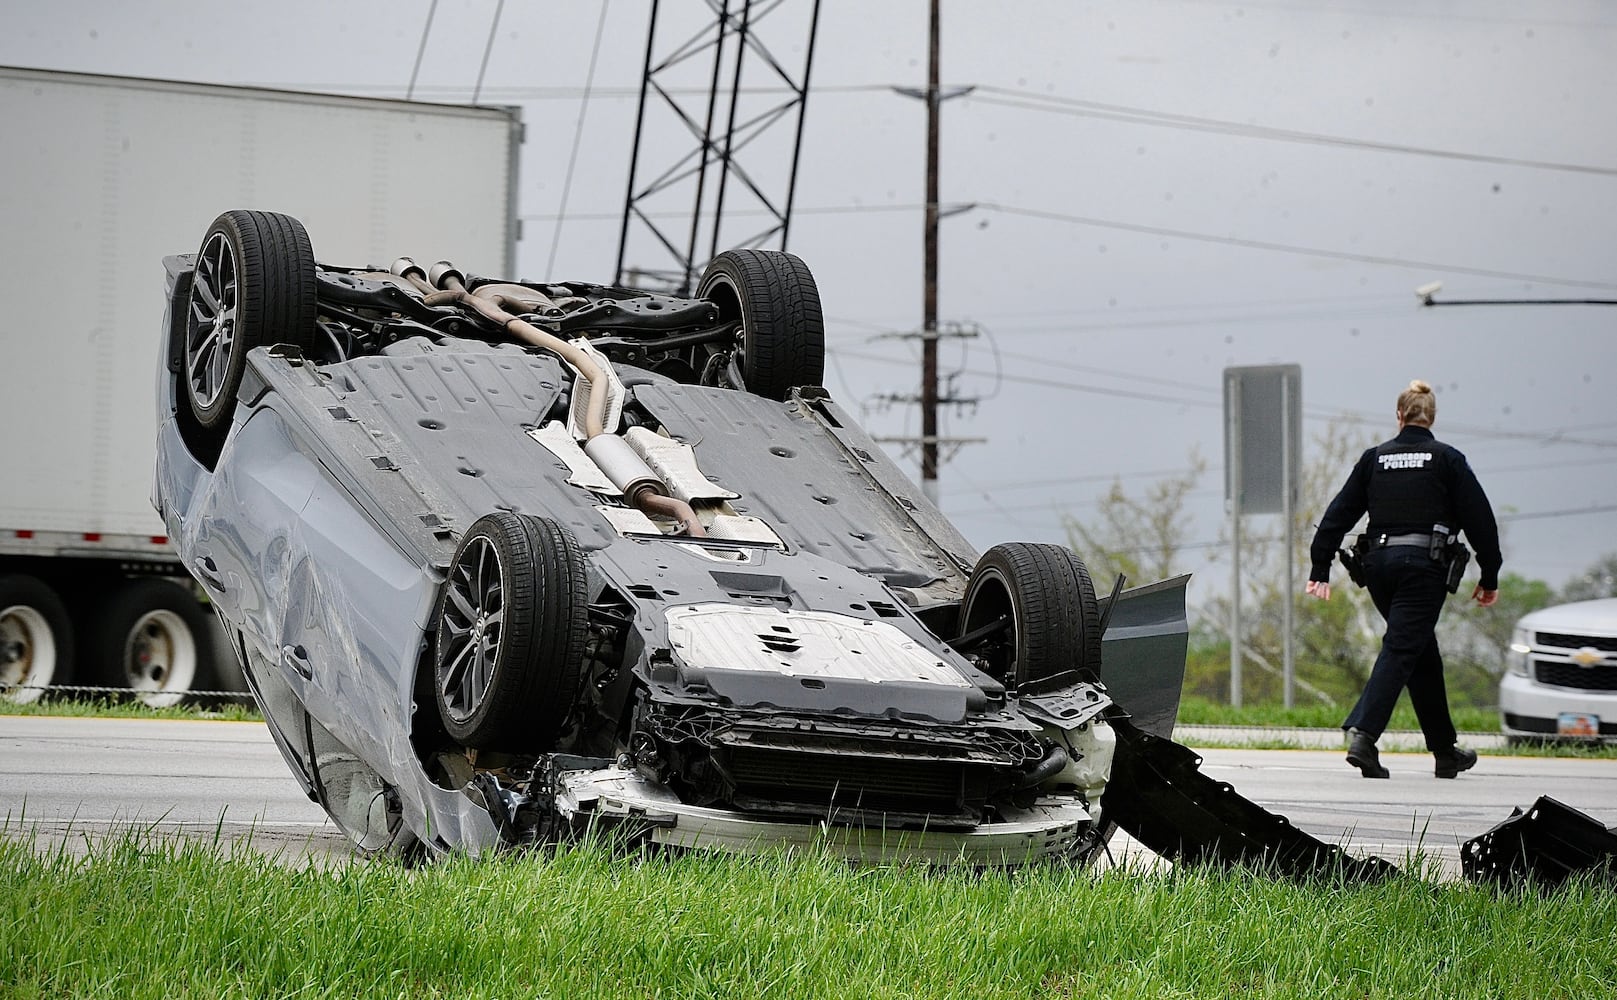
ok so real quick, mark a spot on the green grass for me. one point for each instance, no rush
(129, 708)
(138, 919)
(1194, 711)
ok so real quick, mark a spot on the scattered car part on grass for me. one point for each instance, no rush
(1544, 846)
(1187, 817)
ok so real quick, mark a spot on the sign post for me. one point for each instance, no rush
(1262, 446)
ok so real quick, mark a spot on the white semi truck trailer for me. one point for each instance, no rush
(103, 176)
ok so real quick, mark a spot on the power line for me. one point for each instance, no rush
(421, 51)
(989, 494)
(1250, 244)
(488, 49)
(1150, 230)
(1348, 416)
(1008, 97)
(1224, 542)
(1163, 119)
(578, 135)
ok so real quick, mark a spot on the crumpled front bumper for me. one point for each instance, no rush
(1055, 827)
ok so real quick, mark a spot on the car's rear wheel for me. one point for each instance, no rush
(254, 285)
(36, 644)
(780, 340)
(151, 636)
(511, 630)
(1049, 620)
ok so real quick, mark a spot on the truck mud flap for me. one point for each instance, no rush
(1158, 796)
(1548, 844)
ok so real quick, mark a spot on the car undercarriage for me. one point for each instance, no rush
(506, 562)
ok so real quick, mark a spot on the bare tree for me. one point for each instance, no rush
(1142, 538)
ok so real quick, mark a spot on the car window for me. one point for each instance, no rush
(282, 712)
(353, 795)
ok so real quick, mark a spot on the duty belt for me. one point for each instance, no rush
(1387, 541)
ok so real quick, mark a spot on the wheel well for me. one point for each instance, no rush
(990, 600)
(724, 295)
(427, 733)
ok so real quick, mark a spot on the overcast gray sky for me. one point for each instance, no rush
(1162, 189)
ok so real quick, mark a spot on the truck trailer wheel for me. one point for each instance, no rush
(254, 285)
(152, 637)
(36, 644)
(780, 343)
(1046, 600)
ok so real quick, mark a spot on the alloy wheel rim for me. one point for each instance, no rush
(211, 324)
(473, 621)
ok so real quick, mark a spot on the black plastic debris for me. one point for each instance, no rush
(1188, 818)
(1546, 845)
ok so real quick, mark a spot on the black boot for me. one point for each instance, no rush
(1454, 760)
(1362, 754)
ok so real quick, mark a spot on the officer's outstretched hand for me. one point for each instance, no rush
(1484, 597)
(1322, 590)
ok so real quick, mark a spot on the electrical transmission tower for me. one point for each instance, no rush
(723, 119)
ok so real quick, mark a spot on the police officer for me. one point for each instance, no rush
(1413, 487)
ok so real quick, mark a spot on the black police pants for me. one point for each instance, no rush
(1408, 588)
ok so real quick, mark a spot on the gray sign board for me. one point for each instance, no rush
(1263, 425)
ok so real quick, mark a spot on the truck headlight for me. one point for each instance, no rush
(1516, 657)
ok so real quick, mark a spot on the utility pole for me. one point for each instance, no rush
(929, 397)
(929, 306)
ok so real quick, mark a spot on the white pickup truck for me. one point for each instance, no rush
(1561, 676)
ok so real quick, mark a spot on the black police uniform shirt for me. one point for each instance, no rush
(1407, 485)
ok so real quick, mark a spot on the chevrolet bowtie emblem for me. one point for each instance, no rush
(1587, 656)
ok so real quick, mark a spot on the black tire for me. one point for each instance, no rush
(152, 637)
(254, 285)
(781, 341)
(1053, 636)
(36, 642)
(511, 630)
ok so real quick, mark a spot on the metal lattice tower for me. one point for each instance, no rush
(704, 102)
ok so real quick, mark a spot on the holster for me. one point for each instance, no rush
(1455, 556)
(1452, 553)
(1353, 559)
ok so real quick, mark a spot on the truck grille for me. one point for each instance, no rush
(1564, 640)
(1570, 675)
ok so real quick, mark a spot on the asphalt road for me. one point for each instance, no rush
(62, 780)
(1412, 811)
(66, 780)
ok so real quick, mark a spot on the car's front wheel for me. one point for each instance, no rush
(511, 630)
(780, 337)
(1033, 610)
(253, 285)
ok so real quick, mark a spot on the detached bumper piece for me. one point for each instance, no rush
(615, 798)
(1546, 845)
(1158, 796)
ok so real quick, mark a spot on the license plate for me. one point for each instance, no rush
(1577, 724)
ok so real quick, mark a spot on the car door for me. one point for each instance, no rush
(237, 536)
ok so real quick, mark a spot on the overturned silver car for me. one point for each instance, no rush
(504, 561)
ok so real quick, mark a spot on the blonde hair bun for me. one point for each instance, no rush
(1417, 405)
